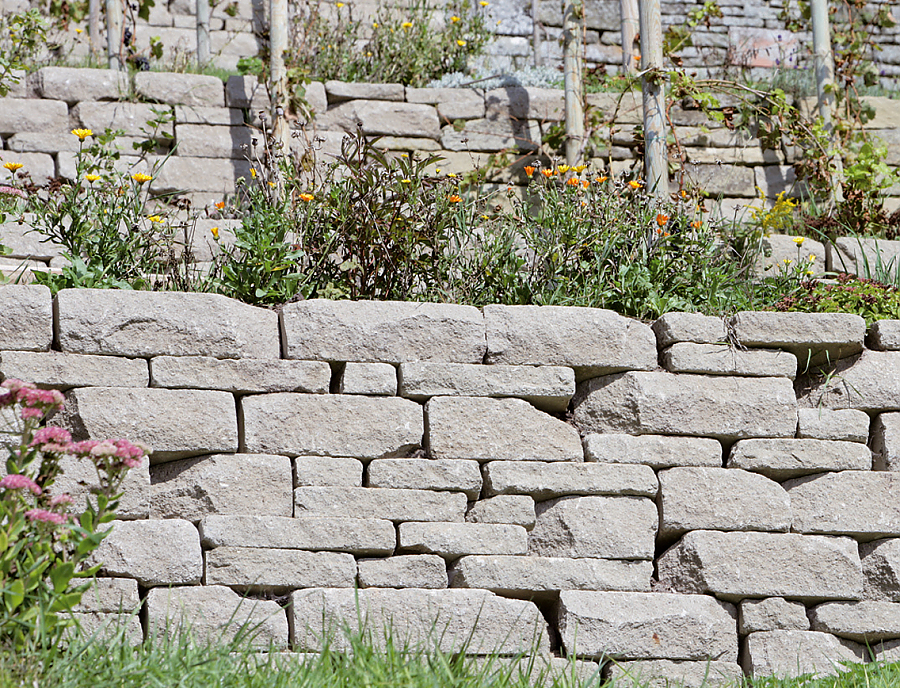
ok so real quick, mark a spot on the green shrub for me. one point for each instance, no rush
(849, 294)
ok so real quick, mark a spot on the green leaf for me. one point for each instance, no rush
(15, 594)
(61, 574)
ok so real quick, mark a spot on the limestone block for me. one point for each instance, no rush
(40, 167)
(246, 92)
(540, 671)
(517, 510)
(240, 376)
(663, 673)
(180, 89)
(885, 442)
(210, 116)
(331, 425)
(858, 503)
(174, 423)
(772, 614)
(593, 341)
(656, 451)
(548, 480)
(379, 502)
(788, 654)
(886, 652)
(736, 565)
(519, 102)
(492, 136)
(454, 540)
(722, 359)
(73, 85)
(19, 115)
(367, 537)
(813, 337)
(106, 626)
(437, 619)
(605, 527)
(278, 570)
(383, 118)
(497, 429)
(130, 118)
(881, 568)
(152, 552)
(868, 621)
(345, 90)
(55, 370)
(110, 596)
(214, 613)
(776, 248)
(529, 576)
(547, 387)
(324, 471)
(828, 424)
(452, 103)
(203, 141)
(23, 243)
(376, 379)
(720, 499)
(688, 327)
(145, 324)
(884, 335)
(258, 484)
(26, 318)
(183, 174)
(781, 459)
(641, 625)
(861, 256)
(721, 180)
(79, 478)
(47, 142)
(426, 474)
(868, 383)
(725, 408)
(382, 331)
(403, 571)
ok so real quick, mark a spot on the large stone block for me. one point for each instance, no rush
(379, 502)
(449, 620)
(79, 480)
(278, 570)
(20, 115)
(376, 379)
(870, 382)
(881, 568)
(788, 654)
(210, 141)
(515, 509)
(246, 92)
(180, 89)
(720, 499)
(868, 621)
(593, 341)
(664, 673)
(26, 317)
(174, 423)
(258, 484)
(426, 474)
(640, 625)
(736, 565)
(331, 425)
(861, 256)
(403, 571)
(656, 451)
(454, 540)
(812, 337)
(152, 552)
(723, 359)
(497, 429)
(689, 327)
(547, 387)
(727, 408)
(18, 237)
(548, 480)
(347, 90)
(325, 471)
(451, 103)
(382, 331)
(110, 596)
(492, 135)
(214, 613)
(365, 537)
(884, 335)
(885, 441)
(772, 614)
(859, 503)
(240, 376)
(183, 174)
(781, 459)
(52, 369)
(73, 85)
(131, 118)
(605, 527)
(144, 324)
(827, 424)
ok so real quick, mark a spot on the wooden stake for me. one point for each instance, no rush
(630, 24)
(202, 33)
(825, 87)
(278, 43)
(114, 33)
(655, 156)
(572, 64)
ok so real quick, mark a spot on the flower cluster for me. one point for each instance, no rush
(36, 403)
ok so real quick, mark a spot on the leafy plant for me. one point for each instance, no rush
(851, 294)
(22, 36)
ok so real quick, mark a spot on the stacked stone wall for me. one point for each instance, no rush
(648, 499)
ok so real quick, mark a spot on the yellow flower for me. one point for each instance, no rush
(253, 173)
(484, 3)
(799, 240)
(92, 177)
(306, 197)
(812, 257)
(578, 169)
(404, 155)
(452, 175)
(461, 43)
(272, 184)
(154, 218)
(339, 5)
(810, 273)
(601, 179)
(13, 166)
(454, 19)
(79, 30)
(562, 169)
(635, 184)
(485, 217)
(406, 25)
(82, 134)
(374, 25)
(788, 261)
(215, 232)
(437, 170)
(140, 177)
(406, 181)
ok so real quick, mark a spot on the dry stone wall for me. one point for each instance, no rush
(645, 498)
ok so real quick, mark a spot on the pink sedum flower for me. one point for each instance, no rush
(30, 412)
(44, 516)
(52, 440)
(15, 481)
(61, 499)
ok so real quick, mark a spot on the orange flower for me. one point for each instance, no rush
(529, 170)
(601, 179)
(572, 181)
(634, 184)
(585, 183)
(696, 224)
(220, 205)
(455, 199)
(306, 197)
(548, 173)
(662, 219)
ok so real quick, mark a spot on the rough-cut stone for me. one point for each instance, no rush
(331, 425)
(451, 103)
(788, 654)
(216, 176)
(813, 337)
(869, 383)
(427, 474)
(79, 478)
(517, 510)
(868, 621)
(497, 429)
(885, 441)
(258, 484)
(737, 565)
(258, 568)
(214, 613)
(369, 537)
(884, 335)
(781, 459)
(382, 331)
(447, 620)
(110, 596)
(26, 317)
(143, 324)
(130, 118)
(152, 552)
(25, 244)
(861, 256)
(376, 379)
(886, 652)
(723, 359)
(180, 89)
(606, 527)
(246, 92)
(345, 90)
(492, 135)
(881, 568)
(210, 141)
(827, 424)
(174, 423)
(593, 341)
(324, 471)
(241, 376)
(656, 451)
(530, 576)
(454, 540)
(665, 673)
(73, 85)
(379, 502)
(639, 625)
(648, 403)
(208, 116)
(538, 670)
(720, 499)
(689, 327)
(547, 387)
(859, 503)
(106, 626)
(546, 481)
(772, 614)
(403, 571)
(20, 115)
(52, 369)
(518, 102)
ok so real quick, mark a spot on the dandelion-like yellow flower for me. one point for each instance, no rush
(601, 179)
(154, 218)
(484, 3)
(82, 134)
(454, 19)
(13, 166)
(374, 25)
(461, 43)
(272, 184)
(562, 169)
(635, 184)
(799, 240)
(339, 5)
(306, 197)
(452, 175)
(79, 30)
(140, 177)
(92, 177)
(406, 25)
(578, 169)
(455, 198)
(215, 232)
(788, 261)
(253, 173)
(485, 217)
(810, 273)
(812, 257)
(406, 181)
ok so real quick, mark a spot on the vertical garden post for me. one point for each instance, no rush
(94, 26)
(202, 32)
(278, 40)
(572, 30)
(535, 32)
(114, 29)
(825, 85)
(655, 163)
(630, 22)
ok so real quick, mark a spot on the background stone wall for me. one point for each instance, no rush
(560, 479)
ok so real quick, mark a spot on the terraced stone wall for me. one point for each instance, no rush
(645, 498)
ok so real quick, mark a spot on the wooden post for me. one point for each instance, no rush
(535, 32)
(278, 43)
(572, 29)
(94, 26)
(825, 86)
(114, 29)
(630, 24)
(655, 157)
(202, 32)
